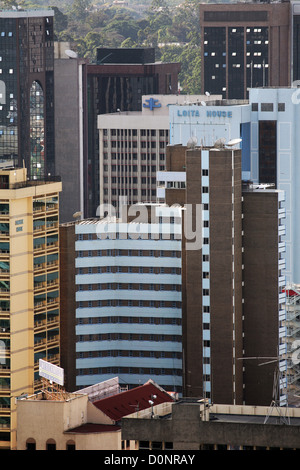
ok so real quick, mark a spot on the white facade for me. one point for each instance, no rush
(129, 302)
(286, 112)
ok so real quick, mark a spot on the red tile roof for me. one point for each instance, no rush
(136, 399)
(94, 428)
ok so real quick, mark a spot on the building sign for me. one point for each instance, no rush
(151, 104)
(51, 372)
(209, 114)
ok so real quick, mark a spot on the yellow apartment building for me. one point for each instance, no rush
(29, 289)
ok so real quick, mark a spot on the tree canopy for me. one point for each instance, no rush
(171, 28)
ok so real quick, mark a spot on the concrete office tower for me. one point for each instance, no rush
(220, 279)
(29, 293)
(264, 297)
(27, 90)
(246, 45)
(133, 148)
(218, 119)
(117, 82)
(70, 129)
(275, 117)
(128, 299)
(213, 324)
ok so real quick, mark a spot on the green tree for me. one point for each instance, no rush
(60, 20)
(79, 9)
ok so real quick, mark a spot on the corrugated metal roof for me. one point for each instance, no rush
(130, 401)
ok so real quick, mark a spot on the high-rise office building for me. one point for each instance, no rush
(27, 90)
(70, 129)
(117, 83)
(232, 293)
(29, 289)
(133, 147)
(82, 92)
(275, 158)
(128, 298)
(264, 296)
(246, 45)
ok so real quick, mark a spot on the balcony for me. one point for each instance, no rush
(53, 339)
(39, 267)
(40, 325)
(39, 344)
(4, 371)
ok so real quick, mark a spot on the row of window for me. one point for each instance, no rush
(128, 191)
(130, 286)
(128, 156)
(129, 337)
(143, 144)
(133, 156)
(132, 269)
(118, 319)
(268, 107)
(128, 303)
(129, 353)
(133, 168)
(129, 370)
(134, 132)
(129, 179)
(151, 253)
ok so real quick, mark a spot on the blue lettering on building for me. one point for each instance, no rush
(227, 114)
(211, 114)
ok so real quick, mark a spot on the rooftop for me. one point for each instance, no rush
(19, 13)
(88, 428)
(136, 399)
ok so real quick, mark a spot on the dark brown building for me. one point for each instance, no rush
(262, 292)
(231, 302)
(245, 45)
(67, 240)
(212, 307)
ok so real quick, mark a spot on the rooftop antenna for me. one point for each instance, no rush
(275, 403)
(233, 142)
(192, 142)
(220, 143)
(71, 54)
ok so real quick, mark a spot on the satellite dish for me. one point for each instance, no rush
(207, 93)
(220, 143)
(233, 142)
(71, 54)
(192, 142)
(203, 103)
(77, 215)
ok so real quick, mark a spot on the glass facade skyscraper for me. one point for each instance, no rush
(27, 90)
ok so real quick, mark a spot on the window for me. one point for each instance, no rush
(51, 444)
(266, 107)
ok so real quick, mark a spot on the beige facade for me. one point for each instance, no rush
(67, 418)
(29, 292)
